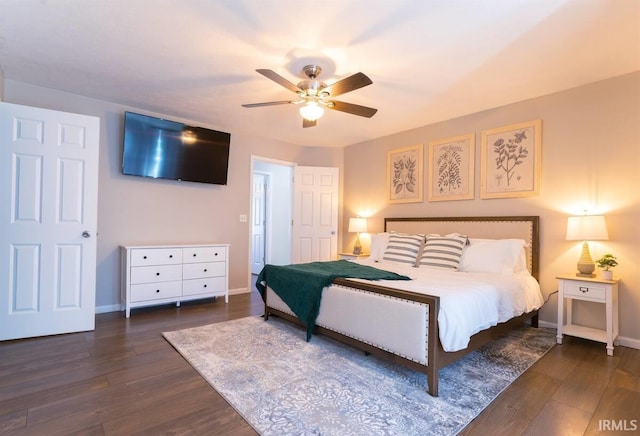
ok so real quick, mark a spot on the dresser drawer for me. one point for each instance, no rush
(590, 291)
(155, 291)
(159, 273)
(156, 256)
(203, 286)
(204, 254)
(201, 270)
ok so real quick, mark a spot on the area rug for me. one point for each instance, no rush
(283, 385)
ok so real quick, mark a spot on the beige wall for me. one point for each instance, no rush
(590, 159)
(135, 210)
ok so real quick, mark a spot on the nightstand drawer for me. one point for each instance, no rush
(585, 290)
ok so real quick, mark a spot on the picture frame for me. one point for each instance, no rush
(405, 174)
(452, 168)
(510, 160)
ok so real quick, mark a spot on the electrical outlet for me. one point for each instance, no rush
(243, 218)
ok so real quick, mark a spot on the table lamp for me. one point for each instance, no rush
(586, 228)
(357, 225)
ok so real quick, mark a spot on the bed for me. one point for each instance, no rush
(403, 321)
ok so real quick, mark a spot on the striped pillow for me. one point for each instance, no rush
(443, 251)
(403, 248)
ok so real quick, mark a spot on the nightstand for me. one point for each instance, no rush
(598, 290)
(351, 256)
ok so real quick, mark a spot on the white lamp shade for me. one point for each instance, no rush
(587, 228)
(358, 225)
(311, 111)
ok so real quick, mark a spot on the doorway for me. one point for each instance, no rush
(271, 212)
(275, 201)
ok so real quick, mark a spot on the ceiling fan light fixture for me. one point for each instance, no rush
(314, 95)
(311, 111)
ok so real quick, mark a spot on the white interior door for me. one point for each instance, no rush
(258, 231)
(48, 221)
(315, 214)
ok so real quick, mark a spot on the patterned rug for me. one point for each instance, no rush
(283, 385)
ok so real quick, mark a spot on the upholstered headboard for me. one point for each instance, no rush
(489, 227)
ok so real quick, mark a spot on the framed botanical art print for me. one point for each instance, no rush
(510, 160)
(451, 168)
(404, 174)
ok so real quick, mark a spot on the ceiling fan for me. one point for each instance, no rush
(315, 95)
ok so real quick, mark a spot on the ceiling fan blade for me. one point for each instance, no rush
(268, 103)
(348, 84)
(307, 123)
(351, 108)
(270, 74)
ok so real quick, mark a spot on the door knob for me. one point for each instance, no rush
(86, 234)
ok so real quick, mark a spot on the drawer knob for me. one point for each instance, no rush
(144, 257)
(215, 254)
(157, 291)
(584, 289)
(205, 270)
(194, 255)
(205, 286)
(171, 256)
(157, 274)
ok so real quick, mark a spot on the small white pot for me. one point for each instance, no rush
(607, 275)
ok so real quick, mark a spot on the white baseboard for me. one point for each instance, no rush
(119, 307)
(621, 340)
(547, 324)
(628, 342)
(109, 308)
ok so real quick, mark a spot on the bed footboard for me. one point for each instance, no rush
(376, 328)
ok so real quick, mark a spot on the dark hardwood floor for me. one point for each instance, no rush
(124, 378)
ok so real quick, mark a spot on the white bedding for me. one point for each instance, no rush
(469, 302)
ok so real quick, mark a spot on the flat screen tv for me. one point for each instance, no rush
(163, 149)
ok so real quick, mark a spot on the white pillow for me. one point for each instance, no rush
(379, 243)
(501, 256)
(403, 248)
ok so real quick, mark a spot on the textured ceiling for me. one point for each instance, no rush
(430, 60)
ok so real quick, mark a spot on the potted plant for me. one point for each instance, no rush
(606, 262)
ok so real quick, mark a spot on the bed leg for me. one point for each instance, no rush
(534, 320)
(432, 381)
(266, 313)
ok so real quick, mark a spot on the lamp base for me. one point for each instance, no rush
(585, 266)
(357, 247)
(585, 275)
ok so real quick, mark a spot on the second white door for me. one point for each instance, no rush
(315, 214)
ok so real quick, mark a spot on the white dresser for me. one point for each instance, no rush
(160, 274)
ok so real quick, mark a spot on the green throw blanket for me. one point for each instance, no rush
(300, 285)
